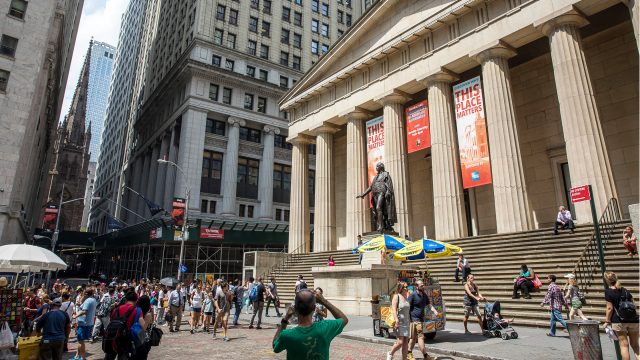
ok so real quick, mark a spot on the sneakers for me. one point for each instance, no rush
(258, 327)
(428, 357)
(389, 356)
(191, 331)
(410, 357)
(225, 338)
(267, 315)
(279, 315)
(250, 326)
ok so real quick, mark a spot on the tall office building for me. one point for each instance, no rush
(98, 92)
(36, 44)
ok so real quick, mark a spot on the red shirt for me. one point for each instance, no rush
(32, 303)
(122, 310)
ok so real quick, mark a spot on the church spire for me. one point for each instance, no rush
(75, 126)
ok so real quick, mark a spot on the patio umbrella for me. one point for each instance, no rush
(169, 281)
(23, 257)
(382, 242)
(426, 248)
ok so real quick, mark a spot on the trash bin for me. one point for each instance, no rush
(585, 339)
(29, 347)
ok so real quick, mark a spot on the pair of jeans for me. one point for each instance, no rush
(159, 315)
(236, 316)
(465, 273)
(524, 287)
(556, 315)
(567, 225)
(275, 306)
(100, 325)
(257, 310)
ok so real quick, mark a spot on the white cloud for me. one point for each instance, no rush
(100, 20)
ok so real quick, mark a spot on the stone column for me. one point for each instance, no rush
(584, 141)
(395, 156)
(135, 172)
(159, 193)
(324, 227)
(141, 188)
(356, 169)
(448, 198)
(265, 185)
(299, 236)
(150, 192)
(170, 178)
(509, 188)
(192, 133)
(230, 167)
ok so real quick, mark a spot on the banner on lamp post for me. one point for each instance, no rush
(472, 133)
(177, 214)
(418, 127)
(50, 217)
(375, 145)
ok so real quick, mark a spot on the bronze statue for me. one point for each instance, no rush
(382, 200)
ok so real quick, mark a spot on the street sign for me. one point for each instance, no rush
(580, 193)
(216, 234)
(183, 268)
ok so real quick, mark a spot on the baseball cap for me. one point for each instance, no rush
(570, 276)
(57, 302)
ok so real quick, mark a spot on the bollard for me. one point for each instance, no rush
(585, 339)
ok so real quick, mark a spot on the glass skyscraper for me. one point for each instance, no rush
(101, 66)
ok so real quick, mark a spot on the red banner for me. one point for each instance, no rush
(472, 134)
(177, 214)
(50, 217)
(216, 234)
(580, 193)
(375, 145)
(418, 128)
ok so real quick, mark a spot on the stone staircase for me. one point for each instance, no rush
(495, 260)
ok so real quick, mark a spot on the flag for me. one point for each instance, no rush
(50, 217)
(113, 223)
(153, 207)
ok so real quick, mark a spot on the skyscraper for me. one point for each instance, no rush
(98, 92)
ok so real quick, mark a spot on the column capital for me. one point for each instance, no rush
(325, 128)
(393, 97)
(301, 139)
(356, 113)
(236, 121)
(442, 75)
(567, 15)
(271, 130)
(496, 49)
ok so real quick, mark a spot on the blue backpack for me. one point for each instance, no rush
(253, 295)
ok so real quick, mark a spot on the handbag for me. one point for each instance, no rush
(168, 317)
(536, 282)
(155, 335)
(390, 321)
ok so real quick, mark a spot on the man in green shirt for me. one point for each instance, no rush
(308, 340)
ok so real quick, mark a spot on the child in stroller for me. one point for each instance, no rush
(494, 325)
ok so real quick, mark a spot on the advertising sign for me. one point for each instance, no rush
(216, 234)
(155, 233)
(50, 217)
(177, 214)
(580, 193)
(472, 133)
(375, 145)
(418, 128)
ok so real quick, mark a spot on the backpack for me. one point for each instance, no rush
(116, 337)
(253, 295)
(626, 310)
(302, 285)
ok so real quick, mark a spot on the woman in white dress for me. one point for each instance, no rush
(401, 319)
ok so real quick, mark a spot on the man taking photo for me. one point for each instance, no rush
(296, 341)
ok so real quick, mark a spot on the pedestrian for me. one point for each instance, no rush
(195, 303)
(300, 284)
(630, 241)
(103, 313)
(144, 303)
(418, 302)
(54, 327)
(331, 262)
(359, 253)
(555, 300)
(272, 297)
(401, 319)
(42, 309)
(308, 340)
(572, 296)
(239, 294)
(176, 304)
(218, 297)
(258, 303)
(247, 302)
(563, 221)
(524, 282)
(129, 312)
(223, 307)
(320, 312)
(31, 305)
(621, 316)
(160, 304)
(85, 317)
(462, 266)
(68, 307)
(207, 310)
(471, 298)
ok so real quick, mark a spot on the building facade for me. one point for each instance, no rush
(37, 38)
(98, 92)
(560, 90)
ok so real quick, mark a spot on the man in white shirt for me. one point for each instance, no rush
(563, 220)
(159, 307)
(176, 304)
(462, 266)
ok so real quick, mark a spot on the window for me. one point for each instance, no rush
(262, 105)
(255, 4)
(251, 47)
(251, 71)
(297, 18)
(221, 12)
(325, 30)
(18, 8)
(280, 141)
(298, 2)
(245, 210)
(250, 134)
(216, 60)
(284, 36)
(296, 62)
(281, 183)
(325, 9)
(286, 14)
(229, 64)
(8, 45)
(312, 150)
(215, 127)
(340, 17)
(284, 114)
(4, 79)
(314, 25)
(340, 33)
(248, 101)
(231, 40)
(226, 95)
(233, 17)
(106, 54)
(211, 172)
(325, 48)
(218, 36)
(213, 92)
(314, 47)
(264, 75)
(266, 7)
(264, 51)
(348, 16)
(253, 24)
(204, 206)
(266, 29)
(297, 41)
(284, 58)
(314, 5)
(284, 81)
(348, 3)
(247, 178)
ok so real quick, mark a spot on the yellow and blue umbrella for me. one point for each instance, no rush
(426, 248)
(382, 242)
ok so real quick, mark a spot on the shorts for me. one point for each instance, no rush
(626, 328)
(83, 333)
(208, 313)
(416, 329)
(196, 310)
(471, 310)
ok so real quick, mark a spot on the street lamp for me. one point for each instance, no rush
(185, 232)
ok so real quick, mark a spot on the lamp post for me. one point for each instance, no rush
(185, 232)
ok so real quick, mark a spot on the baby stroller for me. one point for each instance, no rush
(494, 325)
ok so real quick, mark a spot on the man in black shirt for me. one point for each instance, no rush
(258, 303)
(418, 302)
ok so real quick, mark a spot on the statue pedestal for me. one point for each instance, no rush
(352, 287)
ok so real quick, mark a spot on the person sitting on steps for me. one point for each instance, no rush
(564, 221)
(524, 282)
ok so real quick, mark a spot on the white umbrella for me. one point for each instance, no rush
(18, 257)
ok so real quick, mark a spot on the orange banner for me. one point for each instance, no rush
(472, 133)
(418, 128)
(375, 145)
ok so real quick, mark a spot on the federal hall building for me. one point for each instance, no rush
(559, 80)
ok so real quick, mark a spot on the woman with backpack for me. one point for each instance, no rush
(621, 315)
